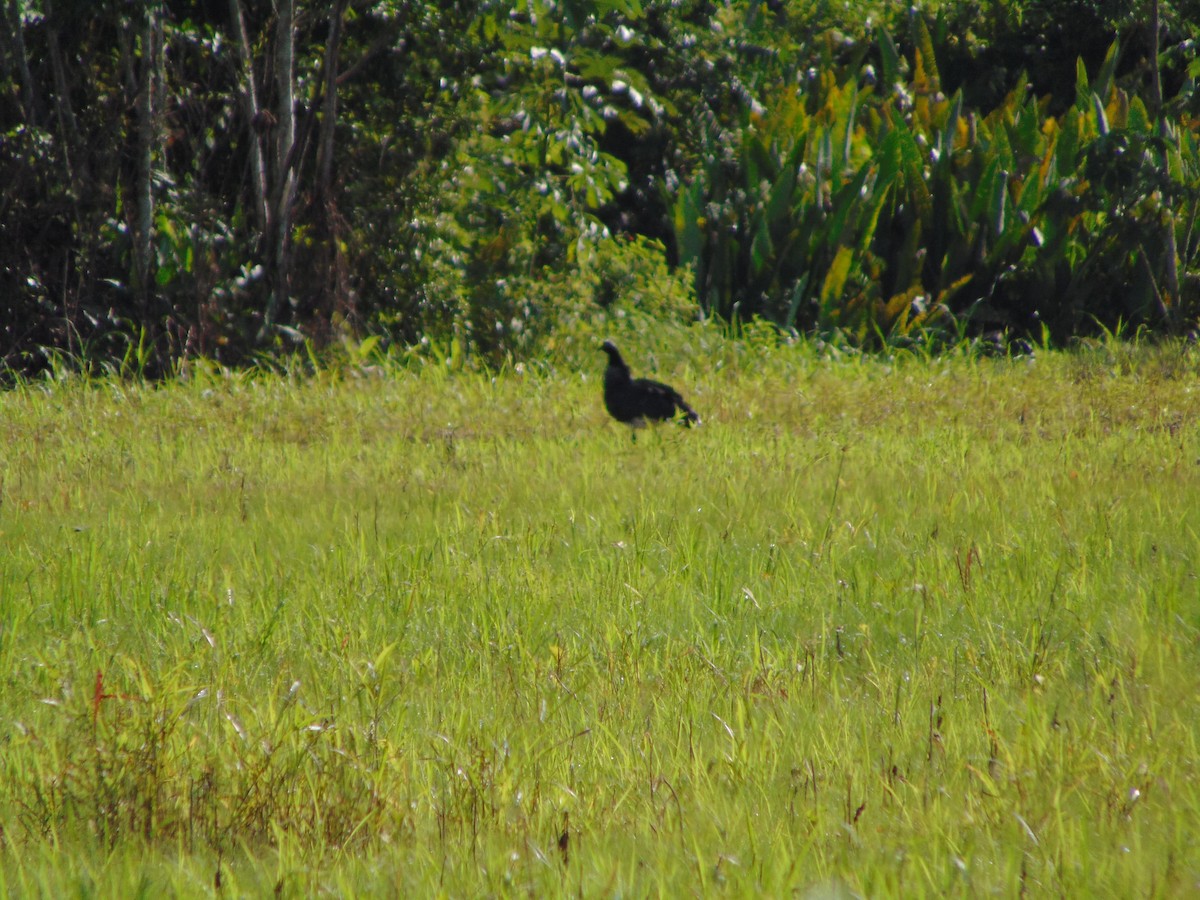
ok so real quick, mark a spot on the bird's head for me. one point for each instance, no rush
(614, 355)
(616, 365)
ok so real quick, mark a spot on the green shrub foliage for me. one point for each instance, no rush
(228, 180)
(865, 199)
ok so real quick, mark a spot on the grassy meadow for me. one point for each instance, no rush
(879, 628)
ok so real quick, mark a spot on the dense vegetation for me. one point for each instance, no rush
(193, 178)
(881, 627)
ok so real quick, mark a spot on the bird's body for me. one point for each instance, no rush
(636, 401)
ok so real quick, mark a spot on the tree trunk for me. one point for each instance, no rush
(257, 122)
(283, 182)
(329, 112)
(68, 128)
(30, 107)
(149, 77)
(1156, 97)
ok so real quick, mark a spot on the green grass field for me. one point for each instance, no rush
(879, 628)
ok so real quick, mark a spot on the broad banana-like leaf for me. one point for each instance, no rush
(835, 278)
(1104, 78)
(889, 59)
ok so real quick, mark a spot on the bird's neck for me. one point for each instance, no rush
(616, 373)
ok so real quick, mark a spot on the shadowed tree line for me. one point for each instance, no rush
(234, 178)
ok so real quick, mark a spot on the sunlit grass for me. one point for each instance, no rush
(883, 627)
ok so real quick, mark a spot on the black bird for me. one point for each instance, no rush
(635, 401)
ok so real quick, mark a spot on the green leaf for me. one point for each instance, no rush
(1175, 165)
(887, 157)
(1139, 118)
(924, 46)
(870, 222)
(1104, 77)
(825, 156)
(365, 348)
(1101, 115)
(889, 59)
(1066, 148)
(847, 202)
(985, 191)
(636, 125)
(912, 172)
(999, 203)
(949, 132)
(798, 292)
(835, 278)
(848, 140)
(593, 66)
(686, 217)
(1083, 88)
(761, 164)
(382, 657)
(760, 249)
(1025, 136)
(780, 202)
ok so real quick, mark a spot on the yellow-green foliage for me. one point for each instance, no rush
(872, 201)
(884, 627)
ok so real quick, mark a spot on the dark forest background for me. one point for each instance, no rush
(233, 179)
